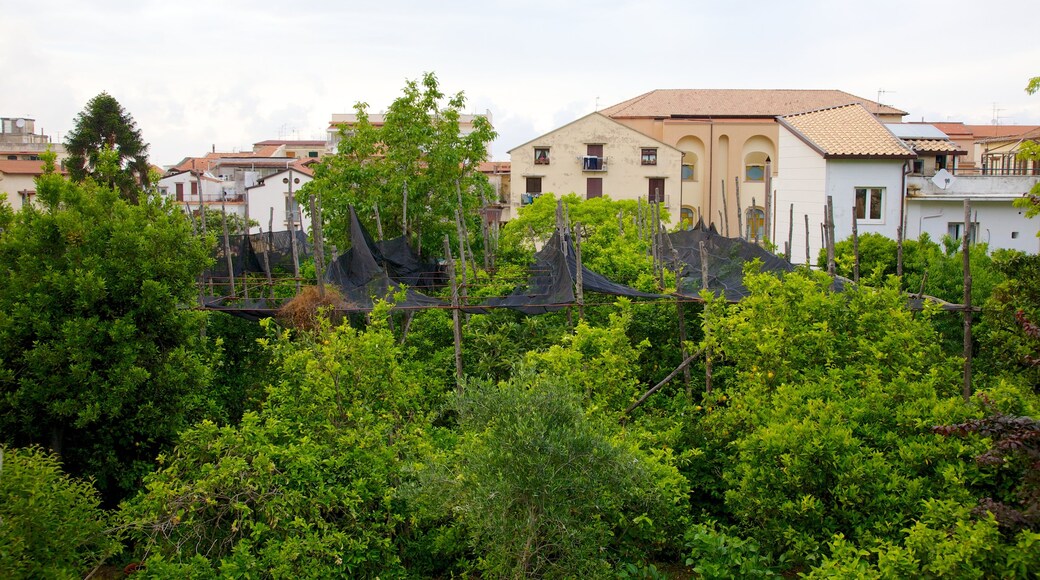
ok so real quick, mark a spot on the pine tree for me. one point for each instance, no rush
(105, 126)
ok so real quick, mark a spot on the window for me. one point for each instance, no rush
(534, 189)
(754, 172)
(541, 155)
(688, 217)
(755, 223)
(689, 172)
(179, 188)
(655, 192)
(312, 154)
(648, 156)
(869, 203)
(918, 166)
(593, 159)
(940, 162)
(955, 229)
(593, 187)
(194, 188)
(12, 157)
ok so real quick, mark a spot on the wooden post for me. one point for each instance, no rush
(191, 218)
(753, 204)
(829, 221)
(808, 258)
(855, 249)
(379, 221)
(721, 219)
(579, 282)
(725, 208)
(965, 241)
(270, 245)
(462, 251)
(267, 261)
(704, 267)
(767, 230)
(682, 320)
(319, 244)
(621, 223)
(486, 236)
(227, 247)
(292, 238)
(683, 365)
(404, 211)
(740, 211)
(457, 328)
(790, 234)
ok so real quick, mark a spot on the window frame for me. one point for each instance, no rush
(747, 168)
(648, 156)
(868, 204)
(543, 159)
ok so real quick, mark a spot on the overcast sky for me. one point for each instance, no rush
(228, 73)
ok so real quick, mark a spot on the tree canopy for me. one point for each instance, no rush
(417, 167)
(104, 125)
(98, 358)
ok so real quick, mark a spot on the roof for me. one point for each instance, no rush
(297, 167)
(680, 103)
(204, 163)
(21, 167)
(934, 146)
(992, 131)
(848, 131)
(641, 135)
(297, 143)
(916, 131)
(1033, 134)
(494, 167)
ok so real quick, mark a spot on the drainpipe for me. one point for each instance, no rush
(920, 221)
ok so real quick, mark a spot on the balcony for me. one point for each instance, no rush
(993, 187)
(593, 163)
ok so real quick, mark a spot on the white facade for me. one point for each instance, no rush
(268, 202)
(807, 178)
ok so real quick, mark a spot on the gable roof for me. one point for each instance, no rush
(300, 168)
(849, 131)
(684, 103)
(641, 135)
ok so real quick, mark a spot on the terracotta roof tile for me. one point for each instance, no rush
(737, 103)
(21, 167)
(933, 146)
(847, 131)
(996, 131)
(1030, 134)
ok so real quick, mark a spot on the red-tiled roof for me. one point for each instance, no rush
(21, 167)
(737, 103)
(846, 131)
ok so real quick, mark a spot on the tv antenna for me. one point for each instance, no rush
(996, 115)
(879, 93)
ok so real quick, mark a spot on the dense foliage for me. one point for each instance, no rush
(99, 361)
(105, 125)
(418, 167)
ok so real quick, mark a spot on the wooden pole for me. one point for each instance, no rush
(808, 259)
(790, 234)
(684, 364)
(404, 211)
(227, 247)
(965, 237)
(319, 245)
(621, 223)
(462, 251)
(855, 249)
(379, 221)
(704, 286)
(579, 282)
(456, 325)
(829, 221)
(270, 245)
(753, 204)
(682, 320)
(292, 239)
(740, 211)
(725, 208)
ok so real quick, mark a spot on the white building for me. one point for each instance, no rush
(271, 201)
(843, 152)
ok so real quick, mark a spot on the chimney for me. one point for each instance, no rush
(214, 149)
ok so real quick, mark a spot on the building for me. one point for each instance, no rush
(19, 141)
(595, 156)
(726, 138)
(344, 121)
(271, 202)
(18, 181)
(499, 176)
(845, 153)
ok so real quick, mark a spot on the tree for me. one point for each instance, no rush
(99, 358)
(420, 154)
(104, 125)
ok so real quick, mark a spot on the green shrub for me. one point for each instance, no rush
(50, 523)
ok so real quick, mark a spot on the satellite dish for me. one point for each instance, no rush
(19, 123)
(943, 179)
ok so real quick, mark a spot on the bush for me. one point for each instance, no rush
(51, 525)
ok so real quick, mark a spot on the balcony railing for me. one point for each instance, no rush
(593, 163)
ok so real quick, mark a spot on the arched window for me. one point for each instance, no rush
(755, 166)
(689, 166)
(687, 217)
(755, 223)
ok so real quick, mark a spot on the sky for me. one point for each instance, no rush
(225, 74)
